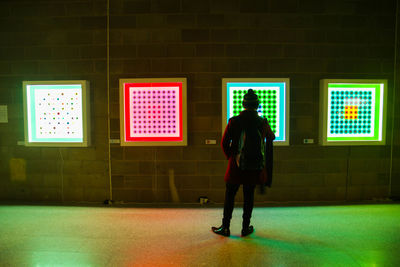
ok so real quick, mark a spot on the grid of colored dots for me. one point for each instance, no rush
(55, 113)
(267, 108)
(350, 112)
(154, 112)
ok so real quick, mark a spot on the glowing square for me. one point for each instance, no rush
(153, 112)
(56, 113)
(350, 112)
(273, 95)
(353, 112)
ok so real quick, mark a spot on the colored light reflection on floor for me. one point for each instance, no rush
(359, 235)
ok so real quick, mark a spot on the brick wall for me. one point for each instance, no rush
(53, 40)
(204, 41)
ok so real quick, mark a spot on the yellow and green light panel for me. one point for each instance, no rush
(56, 113)
(273, 95)
(353, 112)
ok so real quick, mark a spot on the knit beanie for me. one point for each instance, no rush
(250, 99)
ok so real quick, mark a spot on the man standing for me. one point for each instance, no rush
(250, 160)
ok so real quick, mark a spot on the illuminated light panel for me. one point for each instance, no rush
(56, 113)
(353, 112)
(274, 98)
(153, 112)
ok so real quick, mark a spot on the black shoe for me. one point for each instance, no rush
(222, 230)
(248, 230)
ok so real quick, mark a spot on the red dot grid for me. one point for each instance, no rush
(154, 112)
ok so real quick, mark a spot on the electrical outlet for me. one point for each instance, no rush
(204, 200)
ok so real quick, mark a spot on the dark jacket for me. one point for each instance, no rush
(230, 143)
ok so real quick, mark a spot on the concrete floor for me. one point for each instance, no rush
(360, 235)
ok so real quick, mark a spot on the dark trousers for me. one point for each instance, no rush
(248, 196)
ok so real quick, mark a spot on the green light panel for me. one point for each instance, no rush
(273, 94)
(353, 112)
(267, 109)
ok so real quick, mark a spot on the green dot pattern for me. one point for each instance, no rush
(341, 122)
(267, 108)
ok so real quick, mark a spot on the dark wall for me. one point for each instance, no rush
(204, 41)
(53, 40)
(395, 149)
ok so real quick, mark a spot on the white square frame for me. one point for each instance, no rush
(86, 129)
(286, 81)
(123, 141)
(323, 110)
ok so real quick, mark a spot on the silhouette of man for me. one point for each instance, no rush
(234, 176)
